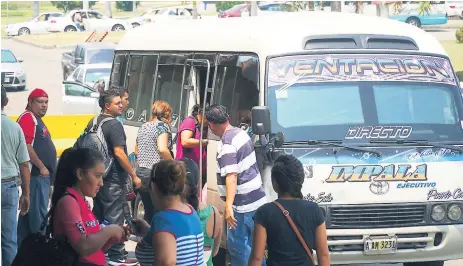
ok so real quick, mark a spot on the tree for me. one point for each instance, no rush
(126, 5)
(65, 6)
(425, 7)
(108, 10)
(195, 10)
(224, 5)
(335, 6)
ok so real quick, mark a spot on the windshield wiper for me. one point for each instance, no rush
(336, 144)
(420, 143)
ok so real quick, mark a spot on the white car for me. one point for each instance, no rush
(454, 8)
(37, 25)
(181, 12)
(89, 73)
(92, 21)
(79, 98)
(13, 75)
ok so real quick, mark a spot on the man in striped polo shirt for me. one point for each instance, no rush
(239, 183)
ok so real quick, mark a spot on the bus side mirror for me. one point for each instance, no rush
(260, 120)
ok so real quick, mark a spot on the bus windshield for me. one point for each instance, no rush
(311, 106)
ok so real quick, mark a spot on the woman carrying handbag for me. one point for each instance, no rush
(290, 226)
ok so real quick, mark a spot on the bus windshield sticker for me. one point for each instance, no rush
(379, 132)
(290, 70)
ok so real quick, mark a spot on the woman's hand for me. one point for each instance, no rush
(142, 227)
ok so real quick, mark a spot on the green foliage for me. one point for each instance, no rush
(225, 5)
(65, 6)
(459, 34)
(126, 5)
(425, 7)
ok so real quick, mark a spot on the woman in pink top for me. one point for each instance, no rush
(188, 139)
(80, 174)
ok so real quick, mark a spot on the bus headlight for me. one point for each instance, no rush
(454, 212)
(438, 213)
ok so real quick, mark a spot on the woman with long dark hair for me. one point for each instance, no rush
(272, 229)
(175, 232)
(80, 174)
(211, 222)
(154, 143)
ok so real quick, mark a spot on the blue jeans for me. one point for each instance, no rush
(239, 240)
(10, 199)
(39, 194)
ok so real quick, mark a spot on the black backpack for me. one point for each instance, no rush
(94, 139)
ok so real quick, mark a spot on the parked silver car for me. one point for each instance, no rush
(13, 75)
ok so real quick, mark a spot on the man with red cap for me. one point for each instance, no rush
(42, 153)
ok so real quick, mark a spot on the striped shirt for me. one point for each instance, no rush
(236, 155)
(187, 230)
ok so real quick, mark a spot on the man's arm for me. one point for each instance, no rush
(122, 158)
(230, 184)
(27, 125)
(22, 157)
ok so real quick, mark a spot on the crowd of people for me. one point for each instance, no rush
(179, 227)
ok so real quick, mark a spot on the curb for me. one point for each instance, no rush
(43, 46)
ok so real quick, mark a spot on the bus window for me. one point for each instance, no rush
(169, 87)
(237, 85)
(133, 83)
(142, 97)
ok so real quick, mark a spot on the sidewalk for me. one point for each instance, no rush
(451, 24)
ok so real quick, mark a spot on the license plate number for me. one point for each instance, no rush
(380, 245)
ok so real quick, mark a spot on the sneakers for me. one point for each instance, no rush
(123, 262)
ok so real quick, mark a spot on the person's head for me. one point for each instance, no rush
(37, 102)
(197, 112)
(82, 169)
(168, 178)
(217, 119)
(4, 97)
(111, 103)
(162, 111)
(192, 179)
(288, 176)
(124, 93)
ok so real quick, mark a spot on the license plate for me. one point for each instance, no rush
(380, 245)
(7, 80)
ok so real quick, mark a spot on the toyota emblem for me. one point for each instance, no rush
(379, 187)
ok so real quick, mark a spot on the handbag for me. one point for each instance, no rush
(294, 227)
(43, 249)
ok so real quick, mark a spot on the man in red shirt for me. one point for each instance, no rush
(42, 155)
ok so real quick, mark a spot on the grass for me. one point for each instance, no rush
(21, 11)
(455, 51)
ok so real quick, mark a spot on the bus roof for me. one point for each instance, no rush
(267, 34)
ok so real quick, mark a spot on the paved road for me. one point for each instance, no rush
(43, 67)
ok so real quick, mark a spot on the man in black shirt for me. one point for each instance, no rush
(108, 203)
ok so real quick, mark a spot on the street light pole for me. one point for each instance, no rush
(85, 5)
(253, 8)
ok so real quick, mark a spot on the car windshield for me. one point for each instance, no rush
(360, 110)
(92, 75)
(99, 56)
(8, 57)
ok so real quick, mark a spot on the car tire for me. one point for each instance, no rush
(414, 21)
(22, 88)
(24, 31)
(135, 25)
(70, 29)
(138, 208)
(425, 263)
(461, 15)
(118, 27)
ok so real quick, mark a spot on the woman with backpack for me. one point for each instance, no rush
(290, 227)
(154, 143)
(189, 139)
(80, 174)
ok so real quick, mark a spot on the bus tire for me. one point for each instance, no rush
(425, 263)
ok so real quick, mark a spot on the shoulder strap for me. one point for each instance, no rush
(213, 225)
(45, 221)
(294, 227)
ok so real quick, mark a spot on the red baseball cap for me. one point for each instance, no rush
(36, 93)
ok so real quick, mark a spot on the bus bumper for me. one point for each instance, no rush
(415, 244)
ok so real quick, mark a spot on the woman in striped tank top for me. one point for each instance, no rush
(175, 236)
